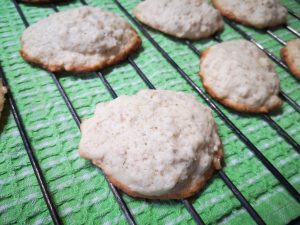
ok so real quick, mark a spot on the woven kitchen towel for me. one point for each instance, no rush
(79, 190)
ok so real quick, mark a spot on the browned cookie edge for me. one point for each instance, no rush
(187, 192)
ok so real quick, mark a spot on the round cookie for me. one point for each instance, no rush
(190, 19)
(2, 99)
(256, 13)
(291, 55)
(240, 76)
(79, 40)
(156, 144)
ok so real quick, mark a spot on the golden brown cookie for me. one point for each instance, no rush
(291, 55)
(256, 13)
(187, 19)
(79, 40)
(241, 77)
(156, 144)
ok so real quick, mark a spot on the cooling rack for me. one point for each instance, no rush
(242, 209)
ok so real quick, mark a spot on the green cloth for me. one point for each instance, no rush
(79, 190)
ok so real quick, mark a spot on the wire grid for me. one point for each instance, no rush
(182, 214)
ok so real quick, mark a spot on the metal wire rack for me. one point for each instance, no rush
(221, 174)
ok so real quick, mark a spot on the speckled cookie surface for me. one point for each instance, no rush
(240, 76)
(191, 19)
(81, 39)
(155, 144)
(256, 13)
(2, 99)
(291, 55)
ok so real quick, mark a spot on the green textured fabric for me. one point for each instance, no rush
(79, 190)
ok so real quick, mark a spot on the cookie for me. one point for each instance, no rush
(291, 55)
(79, 40)
(189, 19)
(256, 13)
(156, 144)
(241, 77)
(2, 99)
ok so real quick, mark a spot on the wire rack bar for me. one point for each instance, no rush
(241, 198)
(34, 162)
(141, 73)
(281, 132)
(66, 99)
(295, 221)
(292, 30)
(278, 39)
(266, 117)
(76, 118)
(273, 35)
(229, 123)
(107, 85)
(221, 174)
(193, 212)
(291, 101)
(293, 13)
(296, 16)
